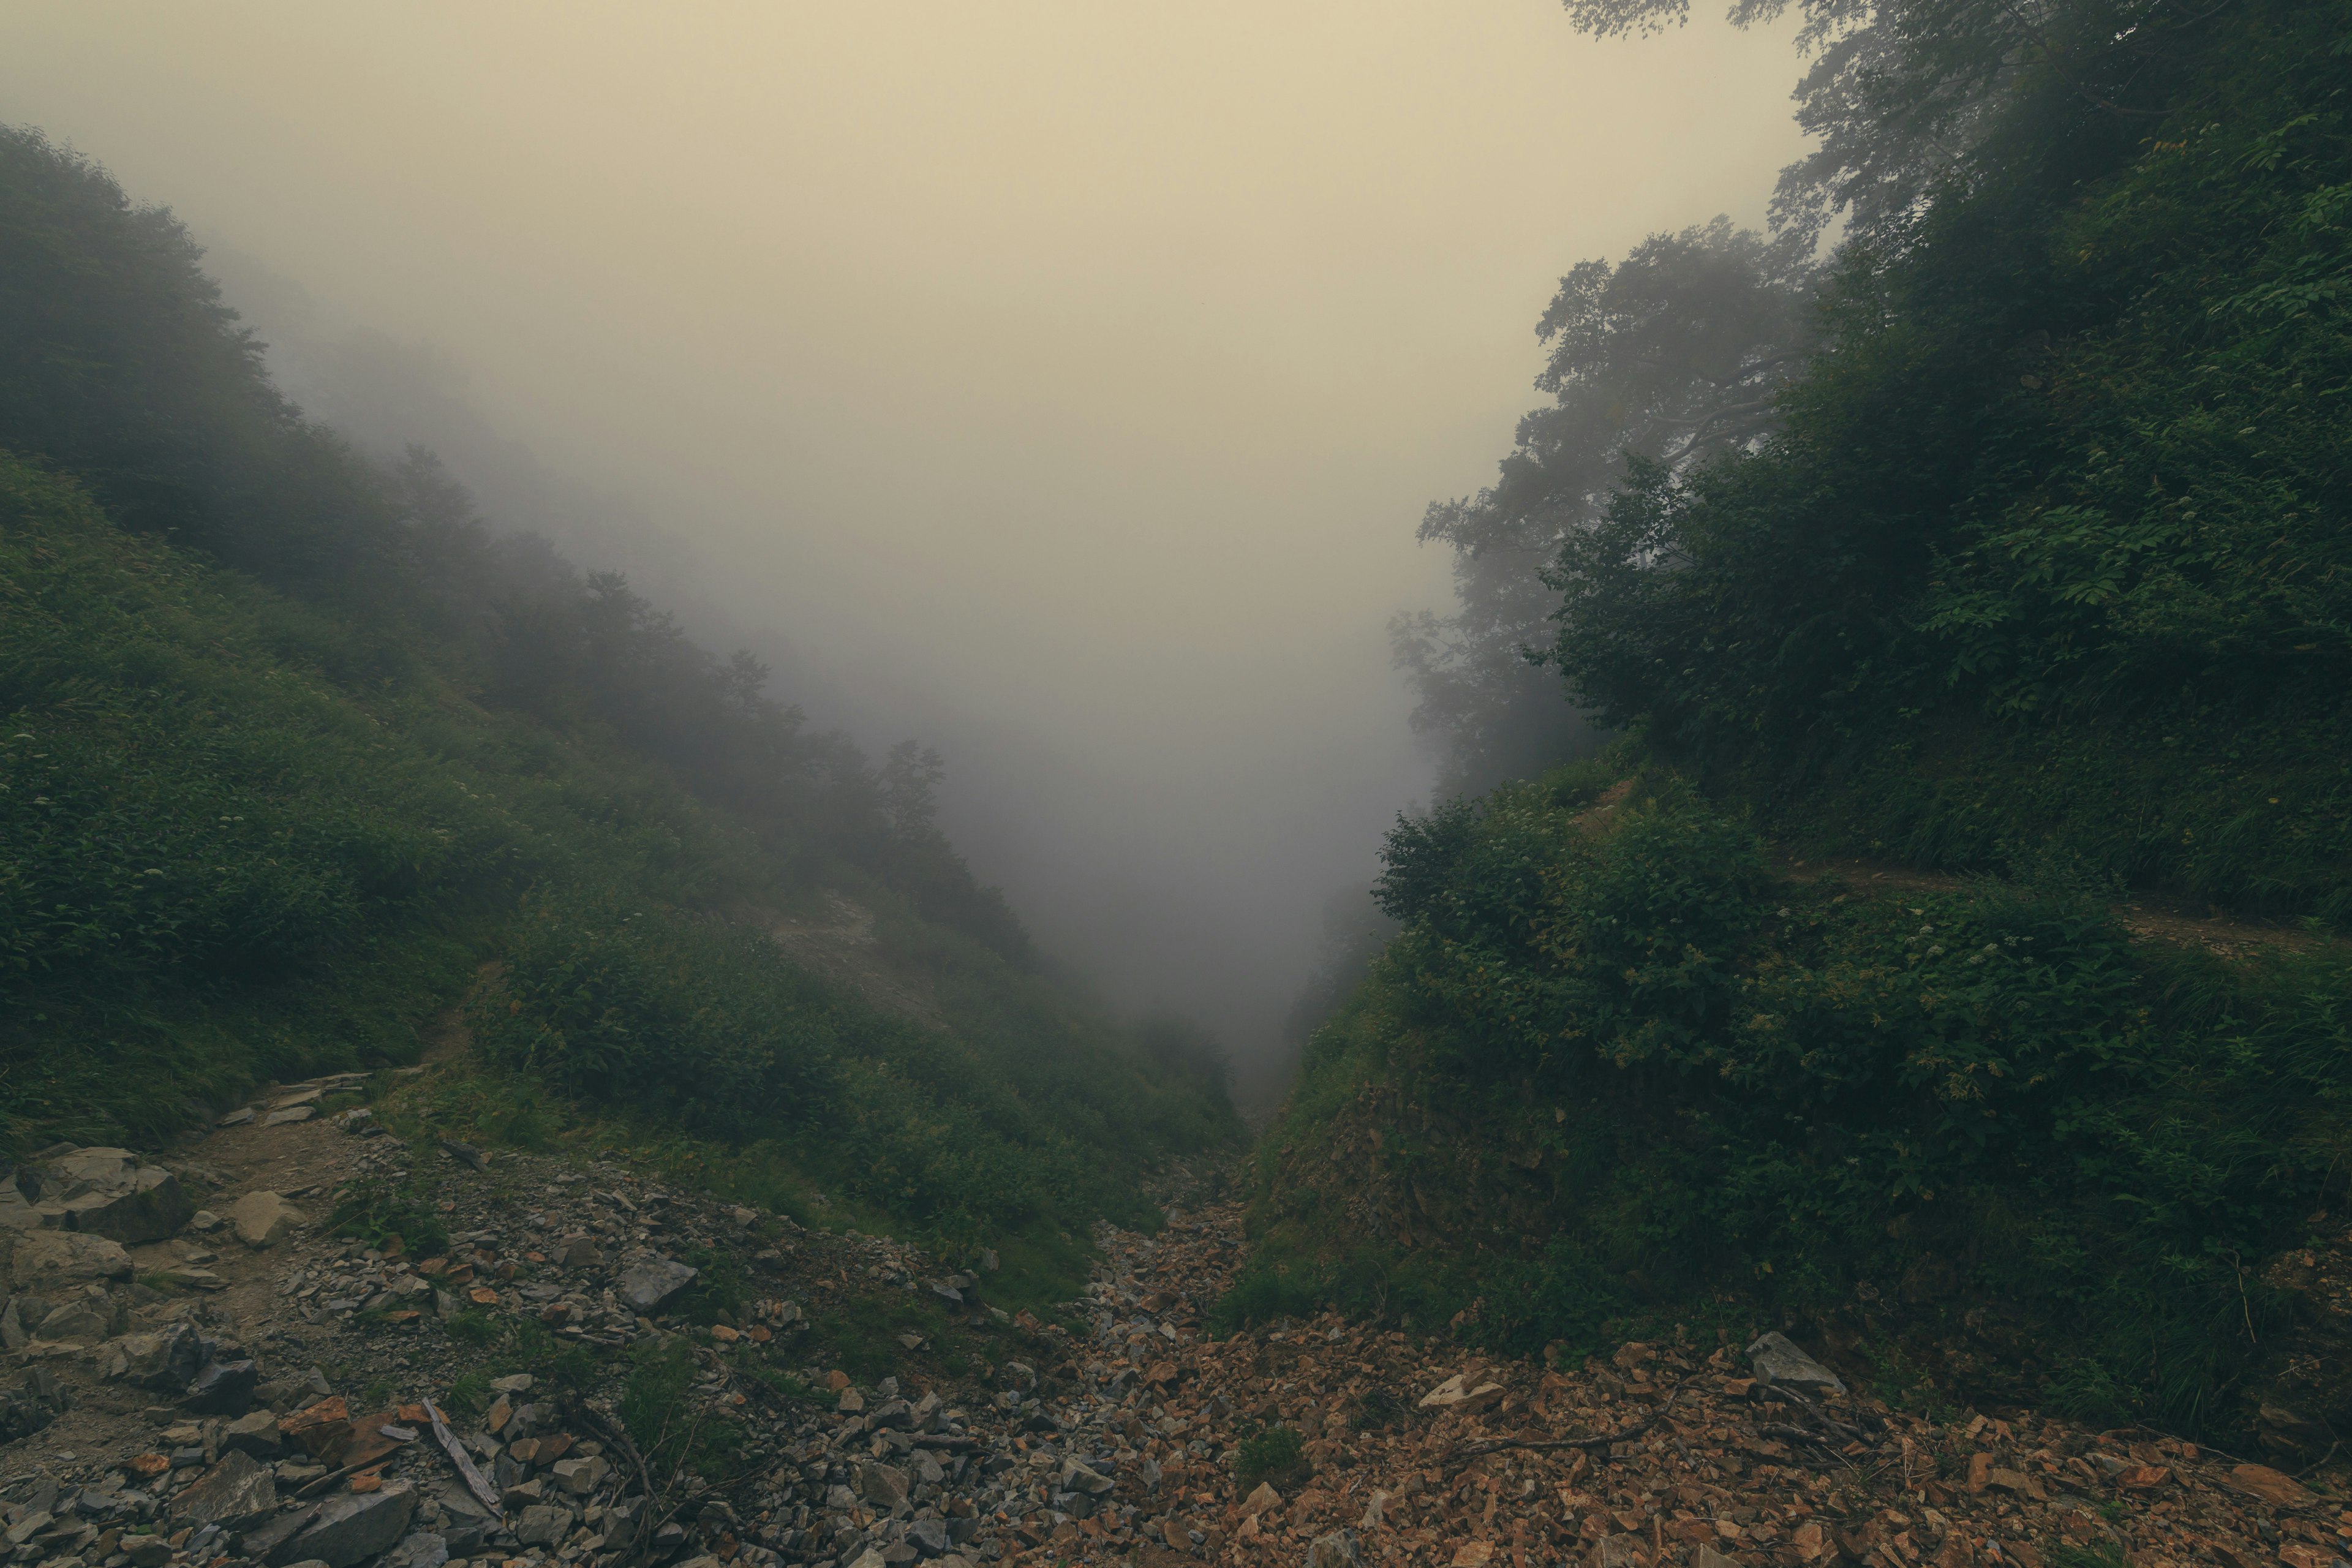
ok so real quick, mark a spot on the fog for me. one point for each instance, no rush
(1058, 380)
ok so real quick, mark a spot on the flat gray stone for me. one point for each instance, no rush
(543, 1524)
(1777, 1360)
(237, 1489)
(263, 1218)
(884, 1485)
(644, 1286)
(60, 1257)
(350, 1526)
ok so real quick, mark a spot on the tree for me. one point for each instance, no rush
(1674, 354)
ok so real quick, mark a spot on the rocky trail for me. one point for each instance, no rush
(207, 1372)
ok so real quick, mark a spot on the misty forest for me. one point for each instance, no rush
(1837, 1050)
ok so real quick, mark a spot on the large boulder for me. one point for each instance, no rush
(263, 1218)
(86, 1317)
(46, 1260)
(110, 1192)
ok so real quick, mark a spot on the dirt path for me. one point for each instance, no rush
(2148, 915)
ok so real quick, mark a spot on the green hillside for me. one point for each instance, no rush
(2034, 590)
(299, 756)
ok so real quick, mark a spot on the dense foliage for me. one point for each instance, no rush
(2036, 568)
(1618, 1054)
(295, 743)
(2051, 555)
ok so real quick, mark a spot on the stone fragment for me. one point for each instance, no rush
(2274, 1486)
(543, 1524)
(263, 1218)
(465, 1154)
(86, 1317)
(1708, 1557)
(1775, 1359)
(266, 1542)
(238, 1118)
(646, 1287)
(1258, 1501)
(1473, 1555)
(929, 1536)
(165, 1360)
(237, 1491)
(1337, 1549)
(581, 1477)
(289, 1115)
(222, 1388)
(883, 1486)
(422, 1550)
(256, 1434)
(1617, 1551)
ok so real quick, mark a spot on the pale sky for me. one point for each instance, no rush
(1068, 376)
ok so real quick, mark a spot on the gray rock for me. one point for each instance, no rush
(266, 1542)
(581, 1477)
(237, 1491)
(238, 1118)
(465, 1154)
(165, 1360)
(1336, 1550)
(87, 1317)
(929, 1536)
(147, 1551)
(644, 1286)
(884, 1485)
(543, 1524)
(422, 1550)
(350, 1526)
(256, 1434)
(56, 1259)
(263, 1218)
(1777, 1360)
(1078, 1478)
(109, 1192)
(224, 1388)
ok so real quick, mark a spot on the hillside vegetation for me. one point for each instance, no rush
(298, 755)
(2025, 560)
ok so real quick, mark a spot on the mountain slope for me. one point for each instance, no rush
(299, 754)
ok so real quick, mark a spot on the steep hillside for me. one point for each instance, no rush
(304, 766)
(2037, 575)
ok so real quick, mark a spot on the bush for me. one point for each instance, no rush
(1276, 1454)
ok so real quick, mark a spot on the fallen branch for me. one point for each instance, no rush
(1496, 1445)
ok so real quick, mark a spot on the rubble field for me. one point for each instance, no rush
(210, 1373)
